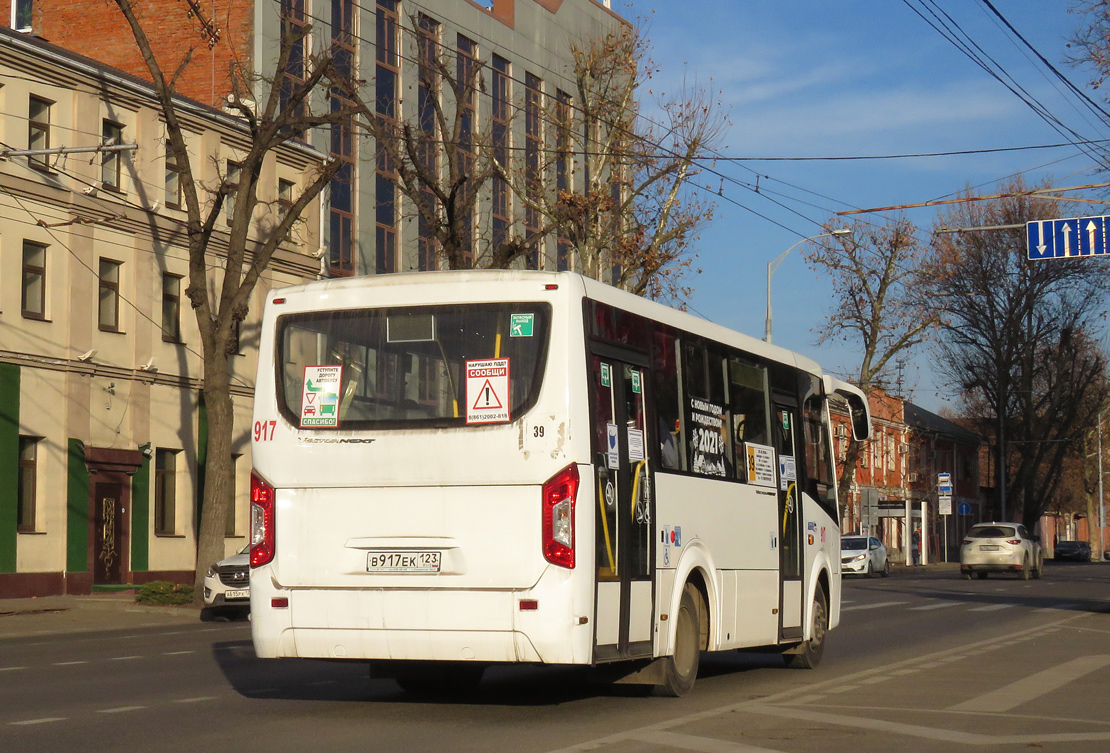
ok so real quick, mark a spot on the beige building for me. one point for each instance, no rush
(102, 423)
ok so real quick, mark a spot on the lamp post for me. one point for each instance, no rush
(773, 265)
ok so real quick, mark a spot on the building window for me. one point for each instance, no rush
(387, 78)
(342, 227)
(427, 98)
(34, 280)
(22, 15)
(173, 179)
(467, 71)
(499, 139)
(293, 28)
(38, 131)
(108, 312)
(111, 161)
(562, 172)
(533, 166)
(233, 174)
(28, 478)
(284, 196)
(171, 308)
(165, 492)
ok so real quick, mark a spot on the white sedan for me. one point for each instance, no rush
(863, 555)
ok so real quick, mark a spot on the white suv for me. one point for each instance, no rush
(227, 587)
(1001, 548)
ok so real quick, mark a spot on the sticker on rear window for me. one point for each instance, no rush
(487, 391)
(520, 325)
(320, 396)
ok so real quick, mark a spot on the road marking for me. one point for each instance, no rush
(992, 607)
(1034, 686)
(43, 720)
(876, 605)
(10, 669)
(177, 653)
(1066, 606)
(119, 709)
(198, 699)
(125, 658)
(694, 742)
(68, 663)
(939, 605)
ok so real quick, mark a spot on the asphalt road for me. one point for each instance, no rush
(923, 661)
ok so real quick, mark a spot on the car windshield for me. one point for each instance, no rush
(406, 366)
(849, 545)
(991, 532)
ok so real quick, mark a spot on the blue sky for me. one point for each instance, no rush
(804, 78)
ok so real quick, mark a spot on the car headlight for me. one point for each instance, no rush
(211, 571)
(859, 557)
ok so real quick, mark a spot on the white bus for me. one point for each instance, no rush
(454, 470)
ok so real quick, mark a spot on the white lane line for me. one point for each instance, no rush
(694, 742)
(10, 669)
(992, 607)
(177, 653)
(43, 720)
(938, 605)
(119, 709)
(125, 658)
(1064, 607)
(198, 699)
(877, 605)
(68, 663)
(1034, 686)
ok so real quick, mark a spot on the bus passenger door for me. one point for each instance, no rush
(624, 508)
(784, 431)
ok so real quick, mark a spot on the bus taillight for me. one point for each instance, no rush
(262, 521)
(558, 517)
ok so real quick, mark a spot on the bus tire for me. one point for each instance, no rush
(812, 650)
(680, 669)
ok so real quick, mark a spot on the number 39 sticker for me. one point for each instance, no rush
(264, 430)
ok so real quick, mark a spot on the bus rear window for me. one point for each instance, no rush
(403, 367)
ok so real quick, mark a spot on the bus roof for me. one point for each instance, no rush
(589, 288)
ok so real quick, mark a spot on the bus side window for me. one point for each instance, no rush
(665, 373)
(708, 438)
(749, 408)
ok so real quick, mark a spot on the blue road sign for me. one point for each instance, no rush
(1062, 239)
(964, 508)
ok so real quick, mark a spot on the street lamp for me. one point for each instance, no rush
(773, 265)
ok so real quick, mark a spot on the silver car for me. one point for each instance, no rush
(863, 555)
(227, 587)
(1001, 548)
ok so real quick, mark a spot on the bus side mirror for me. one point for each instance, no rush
(861, 423)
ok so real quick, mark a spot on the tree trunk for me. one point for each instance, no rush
(219, 474)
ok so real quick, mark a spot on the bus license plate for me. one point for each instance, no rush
(403, 562)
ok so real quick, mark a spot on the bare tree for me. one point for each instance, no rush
(877, 282)
(1019, 341)
(282, 113)
(611, 189)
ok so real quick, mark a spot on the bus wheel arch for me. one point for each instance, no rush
(679, 669)
(808, 653)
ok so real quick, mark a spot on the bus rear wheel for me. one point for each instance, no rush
(809, 653)
(680, 669)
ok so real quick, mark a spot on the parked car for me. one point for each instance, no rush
(1072, 550)
(863, 555)
(1001, 548)
(227, 587)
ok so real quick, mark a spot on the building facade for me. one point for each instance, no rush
(102, 419)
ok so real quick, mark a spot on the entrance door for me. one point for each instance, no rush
(791, 548)
(624, 507)
(108, 533)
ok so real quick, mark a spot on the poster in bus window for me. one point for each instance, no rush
(761, 464)
(707, 438)
(320, 396)
(487, 391)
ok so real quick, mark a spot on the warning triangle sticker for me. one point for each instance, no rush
(487, 398)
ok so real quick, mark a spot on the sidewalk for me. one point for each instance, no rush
(51, 615)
